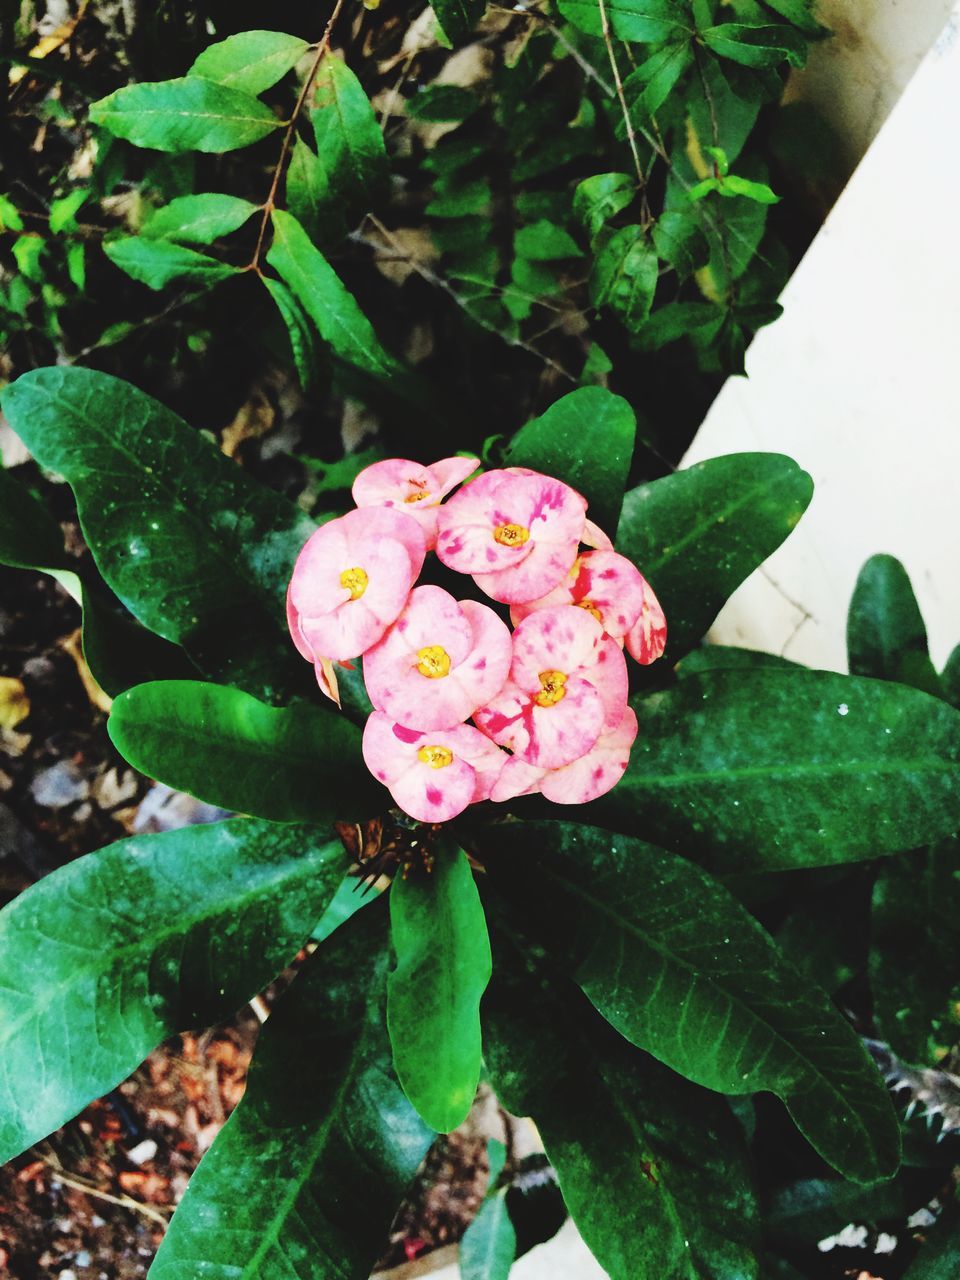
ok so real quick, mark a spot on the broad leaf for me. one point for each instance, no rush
(624, 275)
(350, 149)
(819, 1207)
(654, 1170)
(695, 320)
(586, 439)
(696, 535)
(197, 550)
(457, 18)
(754, 46)
(303, 344)
(679, 241)
(647, 88)
(250, 61)
(598, 199)
(724, 657)
(189, 114)
(489, 1244)
(306, 1175)
(771, 770)
(158, 262)
(886, 636)
(950, 678)
(308, 198)
(288, 764)
(680, 968)
(643, 20)
(198, 219)
(433, 1007)
(104, 958)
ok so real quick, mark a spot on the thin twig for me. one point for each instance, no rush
(621, 96)
(270, 204)
(583, 63)
(90, 1189)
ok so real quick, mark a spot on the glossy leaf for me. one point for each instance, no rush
(698, 320)
(624, 275)
(308, 197)
(886, 637)
(697, 534)
(681, 969)
(196, 550)
(157, 263)
(643, 20)
(586, 439)
(598, 199)
(457, 18)
(915, 950)
(198, 219)
(725, 657)
(250, 61)
(650, 85)
(302, 342)
(756, 46)
(146, 937)
(679, 241)
(770, 770)
(489, 1244)
(815, 1208)
(306, 1175)
(653, 1170)
(350, 148)
(442, 951)
(30, 538)
(288, 764)
(189, 114)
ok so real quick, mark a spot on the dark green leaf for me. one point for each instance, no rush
(643, 20)
(950, 678)
(723, 657)
(886, 636)
(679, 320)
(157, 262)
(654, 1170)
(800, 13)
(433, 995)
(768, 770)
(939, 1255)
(647, 88)
(308, 196)
(457, 18)
(288, 764)
(442, 102)
(915, 950)
(679, 241)
(350, 149)
(352, 894)
(302, 342)
(107, 956)
(30, 538)
(624, 275)
(250, 61)
(598, 199)
(198, 219)
(197, 551)
(189, 114)
(754, 46)
(698, 534)
(681, 969)
(489, 1244)
(817, 1207)
(586, 439)
(306, 1175)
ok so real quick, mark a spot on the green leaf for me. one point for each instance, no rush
(302, 342)
(679, 241)
(351, 154)
(63, 212)
(158, 262)
(647, 88)
(250, 61)
(950, 678)
(457, 18)
(598, 199)
(352, 895)
(819, 1207)
(724, 657)
(326, 300)
(105, 957)
(189, 114)
(915, 950)
(681, 969)
(196, 550)
(886, 636)
(198, 219)
(307, 1174)
(544, 241)
(489, 1244)
(440, 940)
(30, 538)
(308, 196)
(756, 46)
(771, 770)
(697, 534)
(679, 320)
(624, 275)
(939, 1255)
(654, 1171)
(759, 192)
(442, 102)
(800, 13)
(645, 21)
(585, 439)
(288, 764)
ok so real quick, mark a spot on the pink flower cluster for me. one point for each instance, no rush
(548, 702)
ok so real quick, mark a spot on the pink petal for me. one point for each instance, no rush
(609, 678)
(545, 566)
(598, 771)
(425, 792)
(563, 639)
(449, 472)
(593, 536)
(548, 736)
(415, 490)
(601, 582)
(647, 638)
(517, 778)
(293, 623)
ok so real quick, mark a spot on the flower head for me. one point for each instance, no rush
(515, 531)
(431, 775)
(351, 581)
(413, 489)
(439, 661)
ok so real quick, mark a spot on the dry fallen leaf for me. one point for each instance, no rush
(14, 703)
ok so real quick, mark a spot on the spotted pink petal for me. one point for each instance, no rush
(388, 546)
(546, 736)
(598, 771)
(415, 489)
(474, 640)
(517, 778)
(401, 759)
(647, 638)
(601, 582)
(545, 516)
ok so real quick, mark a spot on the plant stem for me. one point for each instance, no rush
(621, 96)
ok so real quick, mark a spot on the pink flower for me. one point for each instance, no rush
(515, 531)
(438, 662)
(647, 638)
(567, 685)
(416, 490)
(432, 776)
(593, 775)
(351, 581)
(605, 584)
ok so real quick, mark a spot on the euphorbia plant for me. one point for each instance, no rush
(632, 989)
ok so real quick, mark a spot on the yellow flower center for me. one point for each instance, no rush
(552, 688)
(590, 608)
(436, 757)
(434, 662)
(355, 581)
(417, 496)
(511, 535)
